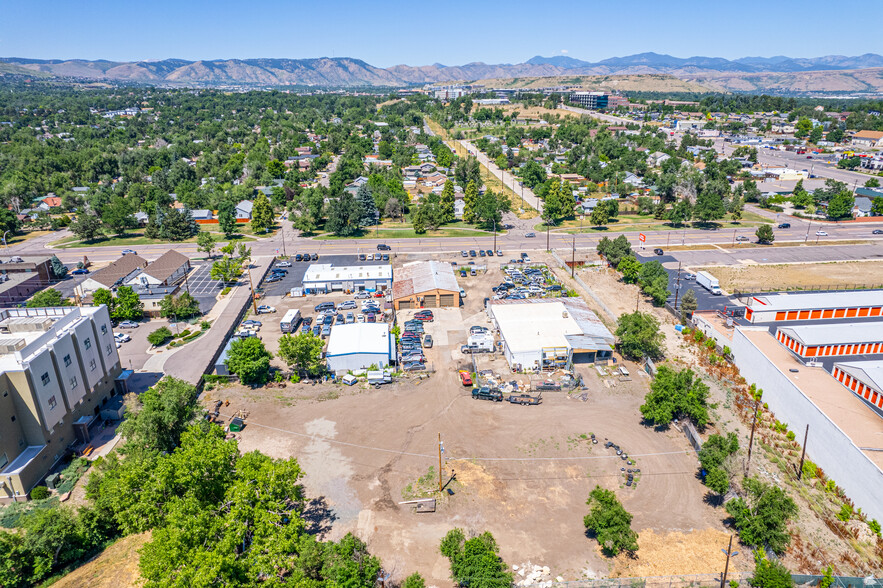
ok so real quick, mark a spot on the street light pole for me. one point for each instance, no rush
(727, 565)
(495, 234)
(5, 244)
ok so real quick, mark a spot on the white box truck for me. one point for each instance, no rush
(290, 321)
(709, 282)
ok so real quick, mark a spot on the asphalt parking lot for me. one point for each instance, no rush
(705, 299)
(203, 287)
(294, 277)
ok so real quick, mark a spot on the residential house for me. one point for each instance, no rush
(151, 297)
(657, 158)
(111, 276)
(168, 269)
(868, 139)
(459, 205)
(51, 202)
(201, 214)
(862, 206)
(243, 210)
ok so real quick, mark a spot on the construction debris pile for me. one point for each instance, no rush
(534, 575)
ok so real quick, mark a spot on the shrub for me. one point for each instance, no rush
(845, 513)
(810, 470)
(791, 436)
(225, 291)
(874, 526)
(610, 523)
(184, 333)
(159, 336)
(205, 325)
(40, 493)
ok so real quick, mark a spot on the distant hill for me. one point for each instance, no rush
(777, 73)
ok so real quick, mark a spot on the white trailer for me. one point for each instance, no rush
(709, 282)
(290, 321)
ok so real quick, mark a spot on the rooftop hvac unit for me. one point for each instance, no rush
(11, 345)
(564, 314)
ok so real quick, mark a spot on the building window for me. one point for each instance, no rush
(88, 343)
(92, 364)
(3, 461)
(45, 378)
(108, 349)
(67, 360)
(73, 381)
(104, 329)
(52, 403)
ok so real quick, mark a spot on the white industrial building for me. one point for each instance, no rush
(359, 345)
(321, 278)
(549, 333)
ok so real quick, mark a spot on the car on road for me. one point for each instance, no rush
(283, 264)
(128, 325)
(80, 272)
(128, 251)
(741, 238)
(465, 378)
(427, 341)
(383, 247)
(530, 235)
(877, 232)
(122, 337)
(784, 225)
(821, 234)
(266, 309)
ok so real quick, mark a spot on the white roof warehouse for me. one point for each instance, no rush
(550, 333)
(323, 278)
(359, 345)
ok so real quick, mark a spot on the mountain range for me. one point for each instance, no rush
(345, 71)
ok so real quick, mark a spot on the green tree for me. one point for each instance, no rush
(654, 281)
(344, 214)
(227, 218)
(676, 395)
(630, 268)
(872, 183)
(533, 174)
(181, 306)
(47, 297)
(489, 208)
(87, 226)
(117, 215)
(803, 127)
(610, 523)
(304, 351)
(762, 516)
(469, 198)
(849, 162)
(229, 267)
(639, 336)
(369, 212)
(161, 415)
(815, 135)
(205, 242)
(159, 336)
(600, 215)
(59, 270)
(840, 206)
(276, 168)
(615, 249)
(475, 562)
(446, 202)
(877, 206)
(250, 360)
(415, 580)
(105, 297)
(709, 207)
(713, 457)
(689, 304)
(800, 198)
(764, 234)
(770, 574)
(127, 305)
(261, 213)
(681, 212)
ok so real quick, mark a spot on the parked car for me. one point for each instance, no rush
(414, 367)
(122, 337)
(499, 253)
(361, 257)
(317, 330)
(385, 257)
(266, 309)
(360, 318)
(252, 324)
(308, 320)
(361, 295)
(324, 306)
(465, 378)
(413, 357)
(658, 251)
(346, 305)
(80, 272)
(472, 253)
(283, 264)
(314, 257)
(128, 325)
(326, 330)
(481, 253)
(350, 318)
(427, 341)
(298, 257)
(487, 393)
(464, 253)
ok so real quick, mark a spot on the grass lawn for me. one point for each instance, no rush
(15, 239)
(408, 233)
(135, 239)
(648, 223)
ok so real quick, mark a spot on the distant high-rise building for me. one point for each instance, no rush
(598, 100)
(58, 367)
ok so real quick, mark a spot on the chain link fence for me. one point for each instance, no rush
(687, 581)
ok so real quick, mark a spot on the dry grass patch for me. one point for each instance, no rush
(115, 567)
(798, 275)
(677, 553)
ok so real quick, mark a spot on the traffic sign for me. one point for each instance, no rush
(642, 237)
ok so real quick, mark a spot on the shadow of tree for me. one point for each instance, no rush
(318, 517)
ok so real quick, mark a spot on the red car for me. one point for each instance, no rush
(424, 315)
(465, 378)
(378, 294)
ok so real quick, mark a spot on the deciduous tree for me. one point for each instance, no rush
(250, 360)
(639, 336)
(610, 523)
(303, 351)
(674, 395)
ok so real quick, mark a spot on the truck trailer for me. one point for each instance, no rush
(290, 321)
(709, 282)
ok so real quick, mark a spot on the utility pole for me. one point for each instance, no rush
(439, 463)
(678, 286)
(547, 236)
(751, 439)
(734, 237)
(803, 453)
(495, 234)
(254, 302)
(186, 283)
(573, 258)
(284, 254)
(727, 565)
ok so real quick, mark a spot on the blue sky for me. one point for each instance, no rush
(451, 32)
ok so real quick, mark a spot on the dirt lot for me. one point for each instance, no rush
(523, 473)
(115, 567)
(798, 276)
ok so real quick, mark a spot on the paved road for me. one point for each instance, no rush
(772, 255)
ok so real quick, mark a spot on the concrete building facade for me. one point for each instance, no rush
(358, 346)
(58, 367)
(425, 284)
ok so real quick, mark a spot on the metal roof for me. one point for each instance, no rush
(326, 272)
(870, 373)
(359, 338)
(816, 300)
(560, 322)
(424, 276)
(836, 333)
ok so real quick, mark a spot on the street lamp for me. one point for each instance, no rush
(5, 244)
(727, 566)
